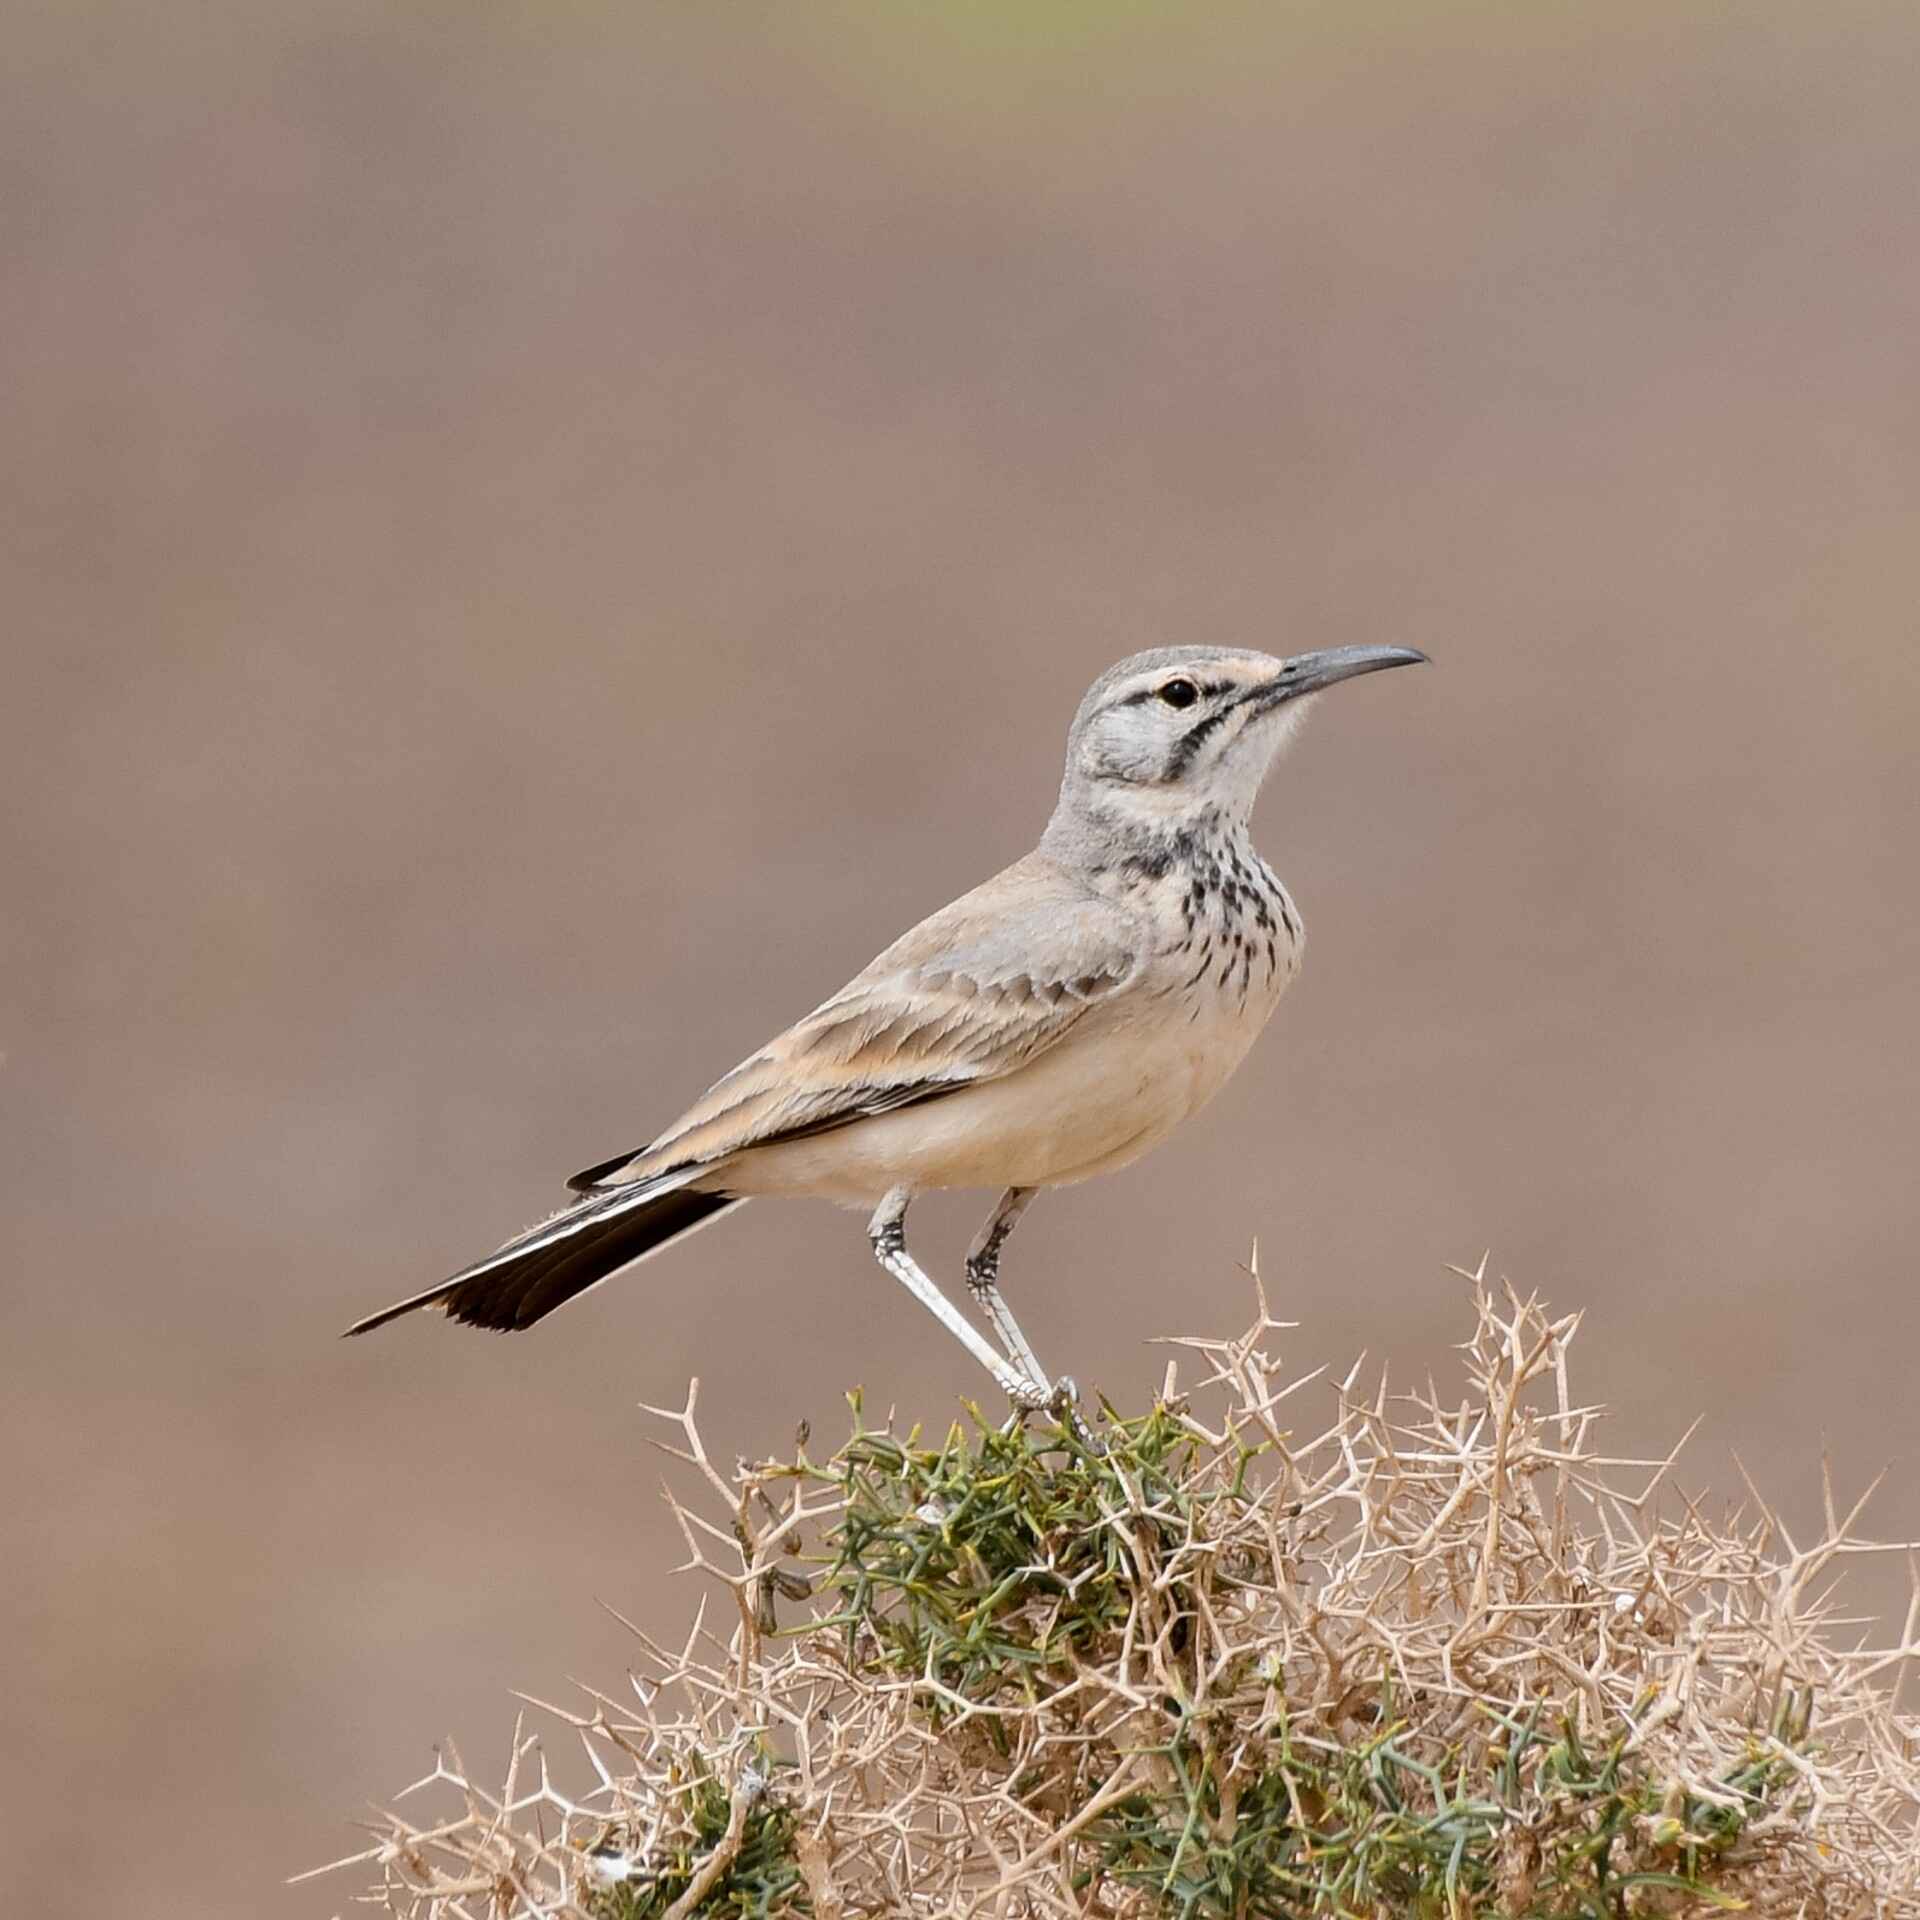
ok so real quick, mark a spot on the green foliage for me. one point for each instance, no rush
(1373, 1829)
(761, 1881)
(987, 1563)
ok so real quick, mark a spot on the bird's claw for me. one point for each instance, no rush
(1061, 1399)
(1043, 1396)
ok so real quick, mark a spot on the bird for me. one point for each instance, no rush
(1057, 1022)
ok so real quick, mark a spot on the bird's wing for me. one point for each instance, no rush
(978, 990)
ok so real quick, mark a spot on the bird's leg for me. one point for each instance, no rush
(983, 1281)
(888, 1233)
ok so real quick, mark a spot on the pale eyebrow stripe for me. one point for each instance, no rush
(1210, 689)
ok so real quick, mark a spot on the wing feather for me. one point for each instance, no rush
(977, 991)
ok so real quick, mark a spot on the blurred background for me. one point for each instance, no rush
(538, 539)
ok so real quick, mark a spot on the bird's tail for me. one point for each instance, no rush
(577, 1248)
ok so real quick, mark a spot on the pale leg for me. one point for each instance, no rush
(887, 1231)
(983, 1281)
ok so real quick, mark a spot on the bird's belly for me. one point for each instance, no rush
(1107, 1093)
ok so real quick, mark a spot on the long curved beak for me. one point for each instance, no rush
(1309, 672)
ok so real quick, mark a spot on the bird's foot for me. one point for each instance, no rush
(1041, 1396)
(1061, 1399)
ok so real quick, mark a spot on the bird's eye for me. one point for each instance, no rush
(1179, 693)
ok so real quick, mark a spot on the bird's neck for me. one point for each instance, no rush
(1194, 873)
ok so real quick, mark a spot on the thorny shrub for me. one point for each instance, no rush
(1425, 1660)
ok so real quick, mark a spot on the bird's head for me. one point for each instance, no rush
(1168, 733)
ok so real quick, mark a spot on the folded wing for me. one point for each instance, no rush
(969, 995)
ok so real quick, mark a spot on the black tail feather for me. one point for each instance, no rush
(513, 1292)
(517, 1294)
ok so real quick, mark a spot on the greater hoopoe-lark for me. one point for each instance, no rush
(1054, 1023)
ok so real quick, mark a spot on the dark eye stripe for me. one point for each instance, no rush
(1209, 690)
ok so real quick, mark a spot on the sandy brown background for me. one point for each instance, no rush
(537, 539)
